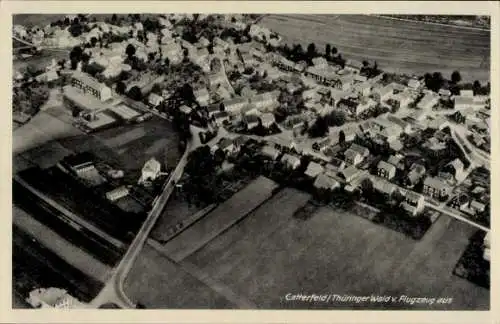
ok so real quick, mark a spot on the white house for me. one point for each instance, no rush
(291, 161)
(150, 171)
(155, 100)
(267, 119)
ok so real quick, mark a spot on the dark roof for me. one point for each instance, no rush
(79, 159)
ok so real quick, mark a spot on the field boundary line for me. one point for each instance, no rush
(432, 23)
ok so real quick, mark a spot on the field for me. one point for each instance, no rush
(157, 282)
(222, 218)
(50, 136)
(267, 256)
(397, 46)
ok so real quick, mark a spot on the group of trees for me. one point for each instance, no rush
(320, 127)
(29, 98)
(436, 81)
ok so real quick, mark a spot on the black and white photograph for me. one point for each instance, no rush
(255, 161)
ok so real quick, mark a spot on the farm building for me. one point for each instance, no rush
(291, 161)
(270, 152)
(150, 171)
(324, 181)
(117, 193)
(124, 112)
(313, 169)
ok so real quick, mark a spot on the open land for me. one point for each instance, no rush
(397, 46)
(127, 147)
(344, 254)
(157, 282)
(222, 218)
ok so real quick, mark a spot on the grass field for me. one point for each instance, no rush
(397, 46)
(157, 282)
(222, 218)
(267, 256)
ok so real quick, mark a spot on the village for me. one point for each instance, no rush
(399, 150)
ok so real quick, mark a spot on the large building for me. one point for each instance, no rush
(90, 85)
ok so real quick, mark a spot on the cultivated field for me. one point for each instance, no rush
(157, 282)
(219, 220)
(398, 46)
(271, 254)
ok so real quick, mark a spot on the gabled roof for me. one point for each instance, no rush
(435, 183)
(386, 166)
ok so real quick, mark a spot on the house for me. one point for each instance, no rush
(455, 168)
(47, 76)
(445, 93)
(267, 119)
(221, 117)
(353, 157)
(265, 100)
(386, 170)
(322, 145)
(349, 105)
(477, 207)
(234, 105)
(384, 186)
(335, 165)
(467, 93)
(324, 181)
(363, 88)
(436, 188)
(350, 173)
(202, 96)
(150, 171)
(90, 85)
(417, 172)
(117, 193)
(414, 84)
(403, 99)
(293, 87)
(383, 93)
(291, 161)
(313, 169)
(405, 126)
(414, 203)
(353, 65)
(428, 101)
(397, 161)
(270, 151)
(251, 121)
(155, 100)
(463, 102)
(363, 106)
(228, 146)
(319, 61)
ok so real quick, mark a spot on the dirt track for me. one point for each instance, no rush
(399, 46)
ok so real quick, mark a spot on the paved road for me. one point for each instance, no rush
(451, 212)
(113, 290)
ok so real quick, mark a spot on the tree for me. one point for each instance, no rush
(341, 137)
(167, 62)
(328, 49)
(76, 53)
(311, 50)
(130, 50)
(334, 50)
(367, 187)
(120, 87)
(476, 87)
(93, 41)
(114, 18)
(135, 93)
(456, 77)
(319, 128)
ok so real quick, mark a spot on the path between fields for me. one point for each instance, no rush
(203, 277)
(431, 23)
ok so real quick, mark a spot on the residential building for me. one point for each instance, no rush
(90, 85)
(445, 93)
(117, 193)
(324, 181)
(353, 65)
(322, 145)
(265, 100)
(221, 117)
(234, 105)
(414, 203)
(397, 160)
(477, 207)
(414, 84)
(335, 165)
(313, 169)
(386, 170)
(228, 146)
(383, 93)
(350, 173)
(436, 188)
(251, 121)
(353, 157)
(384, 186)
(456, 169)
(202, 96)
(267, 119)
(428, 101)
(124, 111)
(291, 161)
(150, 171)
(363, 106)
(155, 100)
(270, 152)
(467, 93)
(417, 172)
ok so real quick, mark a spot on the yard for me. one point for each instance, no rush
(397, 46)
(268, 255)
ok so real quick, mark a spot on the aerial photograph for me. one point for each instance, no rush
(251, 161)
